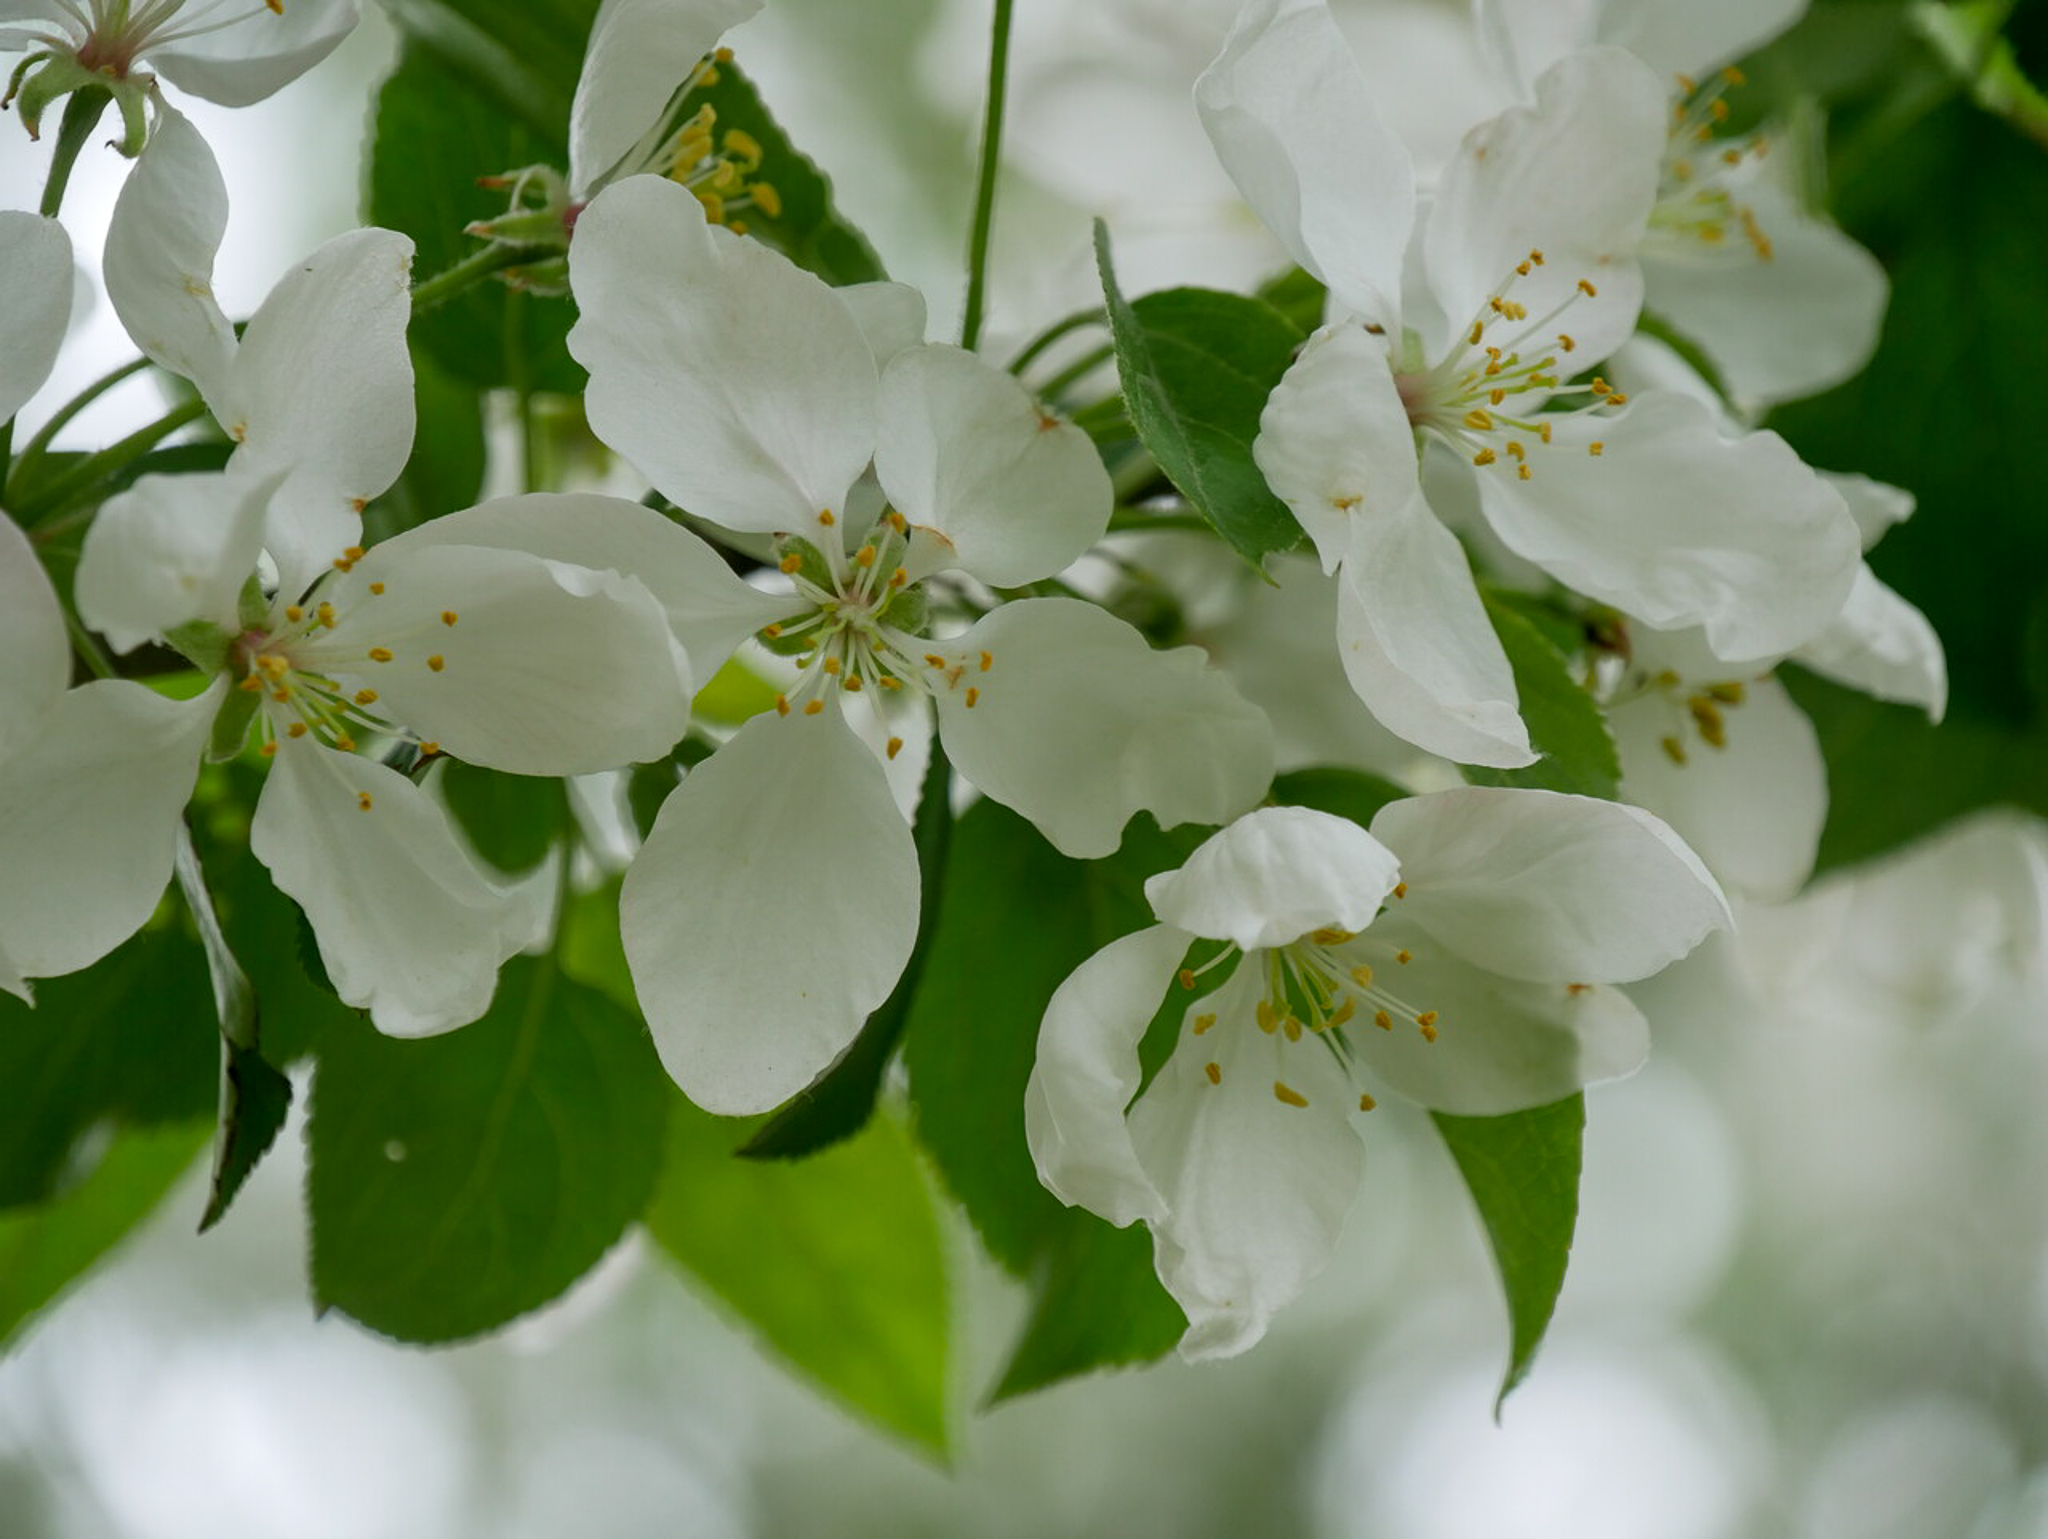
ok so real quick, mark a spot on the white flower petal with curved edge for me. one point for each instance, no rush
(966, 450)
(89, 820)
(770, 911)
(1673, 37)
(1087, 1071)
(1549, 887)
(710, 610)
(733, 380)
(1678, 525)
(11, 980)
(169, 550)
(32, 640)
(1875, 505)
(1573, 177)
(1289, 117)
(36, 276)
(1780, 329)
(508, 660)
(1078, 724)
(321, 390)
(410, 928)
(890, 315)
(1417, 647)
(241, 64)
(878, 716)
(639, 52)
(1752, 810)
(161, 244)
(1523, 38)
(1883, 646)
(1335, 443)
(1275, 875)
(1256, 1188)
(1502, 1044)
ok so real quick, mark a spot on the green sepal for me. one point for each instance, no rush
(788, 646)
(252, 605)
(201, 643)
(231, 726)
(811, 565)
(33, 90)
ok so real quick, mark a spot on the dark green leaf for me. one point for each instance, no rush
(1196, 367)
(44, 1249)
(1565, 726)
(513, 820)
(523, 58)
(254, 1100)
(1096, 1304)
(837, 1261)
(459, 1181)
(446, 470)
(130, 1041)
(1297, 296)
(1344, 793)
(1523, 1173)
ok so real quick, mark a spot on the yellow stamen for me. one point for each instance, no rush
(366, 697)
(1366, 1103)
(1287, 1095)
(895, 747)
(380, 654)
(1404, 957)
(363, 800)
(1214, 1071)
(447, 617)
(376, 588)
(1203, 1023)
(1384, 1021)
(437, 662)
(791, 563)
(825, 517)
(813, 707)
(973, 696)
(296, 729)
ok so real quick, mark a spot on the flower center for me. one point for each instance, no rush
(119, 31)
(1698, 211)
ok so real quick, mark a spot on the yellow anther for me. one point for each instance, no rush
(1707, 717)
(1734, 76)
(363, 800)
(251, 685)
(1687, 85)
(1427, 1019)
(293, 613)
(1287, 1095)
(771, 630)
(1730, 693)
(325, 615)
(825, 517)
(988, 661)
(1586, 288)
(268, 750)
(1400, 889)
(1330, 935)
(1214, 1071)
(1496, 395)
(1478, 330)
(973, 696)
(448, 617)
(282, 693)
(723, 56)
(890, 681)
(1674, 750)
(852, 683)
(1342, 1013)
(437, 662)
(766, 199)
(895, 747)
(896, 521)
(782, 705)
(1601, 387)
(1478, 420)
(1362, 976)
(898, 578)
(1404, 957)
(1267, 1017)
(743, 144)
(1187, 978)
(366, 697)
(429, 748)
(714, 205)
(813, 707)
(935, 660)
(343, 564)
(1731, 157)
(1596, 448)
(1617, 398)
(1521, 472)
(296, 729)
(345, 743)
(1516, 451)
(791, 563)
(1565, 341)
(865, 556)
(1719, 111)
(1347, 502)
(1536, 257)
(1429, 1032)
(1366, 1103)
(380, 654)
(1384, 1021)
(832, 665)
(1522, 268)
(1292, 1027)
(1543, 431)
(1484, 457)
(1203, 1023)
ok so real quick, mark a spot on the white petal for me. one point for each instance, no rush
(1087, 1071)
(1779, 329)
(966, 450)
(1275, 875)
(1883, 646)
(1290, 119)
(410, 929)
(171, 549)
(547, 668)
(709, 608)
(161, 244)
(32, 639)
(88, 821)
(1682, 37)
(1678, 525)
(1523, 38)
(1256, 1189)
(244, 63)
(1752, 810)
(1416, 644)
(35, 275)
(639, 52)
(1502, 1044)
(770, 911)
(321, 390)
(1538, 885)
(890, 315)
(1335, 443)
(1573, 177)
(733, 380)
(1078, 724)
(1875, 505)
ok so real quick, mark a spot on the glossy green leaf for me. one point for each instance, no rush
(836, 1261)
(254, 1100)
(1096, 1303)
(1344, 793)
(1523, 1173)
(1196, 367)
(459, 1181)
(1565, 726)
(513, 820)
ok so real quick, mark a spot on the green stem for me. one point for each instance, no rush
(1053, 333)
(1138, 518)
(82, 111)
(985, 177)
(87, 648)
(94, 468)
(34, 450)
(469, 272)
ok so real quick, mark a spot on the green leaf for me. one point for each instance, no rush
(513, 820)
(1017, 917)
(446, 470)
(1344, 793)
(45, 1249)
(254, 1100)
(523, 59)
(459, 1181)
(1197, 366)
(1565, 726)
(1297, 296)
(1523, 1173)
(837, 1261)
(130, 1041)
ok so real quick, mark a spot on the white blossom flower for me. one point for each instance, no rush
(1522, 276)
(776, 899)
(1458, 954)
(1780, 300)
